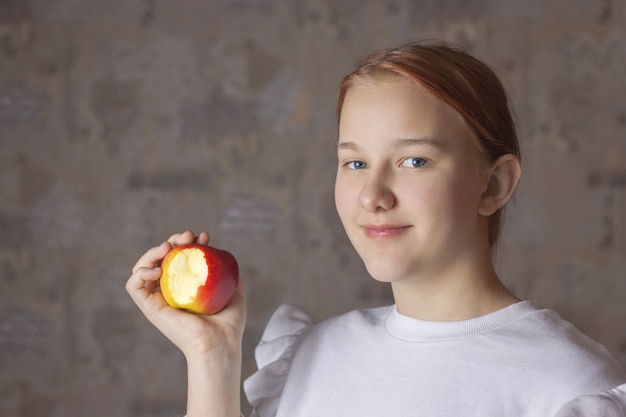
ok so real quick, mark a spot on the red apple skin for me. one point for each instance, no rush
(220, 284)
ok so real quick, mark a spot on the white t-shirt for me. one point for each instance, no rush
(516, 362)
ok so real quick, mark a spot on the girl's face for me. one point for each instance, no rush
(409, 182)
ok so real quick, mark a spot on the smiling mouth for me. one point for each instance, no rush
(384, 231)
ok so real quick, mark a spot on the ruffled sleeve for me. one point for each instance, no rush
(611, 403)
(273, 356)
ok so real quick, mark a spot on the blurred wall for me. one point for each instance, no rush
(122, 122)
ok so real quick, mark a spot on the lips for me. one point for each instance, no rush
(384, 231)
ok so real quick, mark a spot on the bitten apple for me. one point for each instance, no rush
(198, 278)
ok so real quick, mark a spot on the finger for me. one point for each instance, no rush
(152, 257)
(142, 284)
(203, 238)
(181, 238)
(145, 294)
(142, 277)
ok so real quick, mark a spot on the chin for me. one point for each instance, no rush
(384, 272)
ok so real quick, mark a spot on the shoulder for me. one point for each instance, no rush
(289, 319)
(290, 326)
(348, 326)
(289, 331)
(363, 317)
(556, 344)
(547, 327)
(609, 403)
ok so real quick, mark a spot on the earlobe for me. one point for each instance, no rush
(504, 174)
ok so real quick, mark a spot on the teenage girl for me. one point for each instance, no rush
(428, 157)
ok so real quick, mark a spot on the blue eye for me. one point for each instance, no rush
(356, 165)
(414, 162)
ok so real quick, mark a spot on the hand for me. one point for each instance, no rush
(194, 335)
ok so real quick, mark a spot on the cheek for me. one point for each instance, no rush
(346, 199)
(460, 200)
(426, 195)
(440, 200)
(341, 199)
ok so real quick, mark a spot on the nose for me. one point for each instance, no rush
(376, 193)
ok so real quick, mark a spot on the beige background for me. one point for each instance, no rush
(122, 122)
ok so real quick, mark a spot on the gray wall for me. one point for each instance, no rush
(122, 122)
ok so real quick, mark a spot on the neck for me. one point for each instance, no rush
(458, 294)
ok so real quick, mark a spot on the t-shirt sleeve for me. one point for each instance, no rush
(273, 355)
(611, 403)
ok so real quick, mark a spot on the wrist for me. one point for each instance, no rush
(214, 384)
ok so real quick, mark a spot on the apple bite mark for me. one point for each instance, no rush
(187, 271)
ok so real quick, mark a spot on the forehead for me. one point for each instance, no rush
(395, 106)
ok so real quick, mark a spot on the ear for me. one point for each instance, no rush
(504, 174)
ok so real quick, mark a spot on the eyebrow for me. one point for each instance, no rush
(398, 143)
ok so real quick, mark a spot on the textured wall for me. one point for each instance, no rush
(122, 122)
